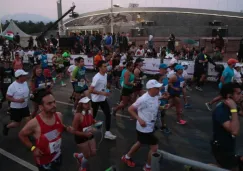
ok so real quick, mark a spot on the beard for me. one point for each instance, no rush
(51, 111)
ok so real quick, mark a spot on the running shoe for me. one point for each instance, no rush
(181, 122)
(209, 106)
(146, 169)
(5, 130)
(79, 159)
(128, 162)
(63, 84)
(109, 135)
(188, 88)
(165, 130)
(199, 88)
(187, 106)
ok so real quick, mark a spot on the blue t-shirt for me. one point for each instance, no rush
(108, 40)
(44, 62)
(39, 80)
(222, 114)
(228, 75)
(177, 84)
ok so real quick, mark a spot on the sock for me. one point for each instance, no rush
(148, 166)
(127, 157)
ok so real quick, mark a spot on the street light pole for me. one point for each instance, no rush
(111, 17)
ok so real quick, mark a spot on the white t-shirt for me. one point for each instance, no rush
(21, 52)
(70, 71)
(99, 83)
(30, 53)
(123, 59)
(170, 73)
(237, 76)
(18, 91)
(139, 52)
(147, 108)
(169, 56)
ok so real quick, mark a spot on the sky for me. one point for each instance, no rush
(48, 8)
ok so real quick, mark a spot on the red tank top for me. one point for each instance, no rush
(49, 141)
(87, 121)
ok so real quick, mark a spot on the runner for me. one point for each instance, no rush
(44, 60)
(18, 95)
(164, 97)
(66, 61)
(38, 82)
(99, 93)
(227, 77)
(59, 67)
(6, 78)
(17, 63)
(145, 111)
(176, 84)
(127, 88)
(139, 78)
(80, 81)
(47, 129)
(109, 70)
(84, 137)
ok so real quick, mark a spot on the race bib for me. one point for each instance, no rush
(55, 146)
(182, 84)
(42, 85)
(7, 80)
(166, 88)
(81, 83)
(61, 65)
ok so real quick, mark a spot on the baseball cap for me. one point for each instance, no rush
(238, 65)
(139, 60)
(153, 84)
(179, 67)
(163, 66)
(84, 100)
(232, 61)
(20, 72)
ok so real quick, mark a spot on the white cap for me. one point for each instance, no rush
(238, 65)
(184, 63)
(153, 84)
(84, 100)
(20, 72)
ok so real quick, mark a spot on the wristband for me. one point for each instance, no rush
(233, 110)
(33, 148)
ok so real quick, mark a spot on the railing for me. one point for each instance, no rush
(160, 155)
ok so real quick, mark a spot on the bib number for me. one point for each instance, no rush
(61, 65)
(182, 84)
(55, 146)
(81, 83)
(7, 80)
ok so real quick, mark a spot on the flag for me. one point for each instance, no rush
(9, 35)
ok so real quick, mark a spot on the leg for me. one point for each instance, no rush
(134, 149)
(153, 149)
(106, 110)
(95, 106)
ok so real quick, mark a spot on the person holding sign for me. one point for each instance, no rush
(176, 85)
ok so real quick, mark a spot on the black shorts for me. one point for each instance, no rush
(147, 138)
(138, 87)
(54, 165)
(225, 158)
(59, 70)
(80, 140)
(162, 113)
(126, 91)
(174, 95)
(82, 91)
(18, 114)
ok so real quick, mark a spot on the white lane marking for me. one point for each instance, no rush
(118, 114)
(18, 160)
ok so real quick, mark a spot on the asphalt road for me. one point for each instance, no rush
(190, 141)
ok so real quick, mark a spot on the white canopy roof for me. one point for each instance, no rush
(15, 29)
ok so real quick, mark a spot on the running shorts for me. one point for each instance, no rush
(18, 114)
(147, 138)
(126, 91)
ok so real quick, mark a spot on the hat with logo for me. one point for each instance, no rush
(153, 84)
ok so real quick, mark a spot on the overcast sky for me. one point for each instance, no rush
(48, 7)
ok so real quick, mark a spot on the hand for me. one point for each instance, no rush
(20, 100)
(165, 95)
(141, 122)
(88, 134)
(105, 94)
(37, 152)
(70, 129)
(230, 103)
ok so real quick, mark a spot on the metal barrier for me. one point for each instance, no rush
(156, 157)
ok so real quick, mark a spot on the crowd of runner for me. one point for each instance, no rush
(120, 71)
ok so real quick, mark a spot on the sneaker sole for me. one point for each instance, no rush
(208, 107)
(109, 138)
